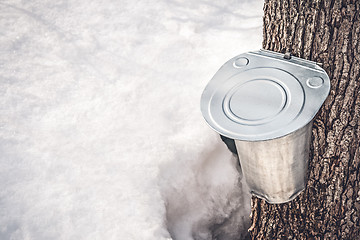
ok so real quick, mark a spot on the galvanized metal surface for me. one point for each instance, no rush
(267, 103)
(260, 96)
(275, 170)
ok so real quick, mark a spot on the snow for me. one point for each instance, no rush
(101, 135)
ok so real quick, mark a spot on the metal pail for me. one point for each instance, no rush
(266, 102)
(276, 169)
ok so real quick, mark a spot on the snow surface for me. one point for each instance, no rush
(101, 135)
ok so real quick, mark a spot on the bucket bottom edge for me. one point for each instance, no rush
(277, 200)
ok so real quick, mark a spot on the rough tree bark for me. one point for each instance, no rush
(328, 32)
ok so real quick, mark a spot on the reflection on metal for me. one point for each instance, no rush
(266, 102)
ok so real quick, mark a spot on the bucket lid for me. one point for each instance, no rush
(263, 95)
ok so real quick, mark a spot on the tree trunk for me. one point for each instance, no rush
(327, 32)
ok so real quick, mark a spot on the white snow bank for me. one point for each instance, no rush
(101, 136)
